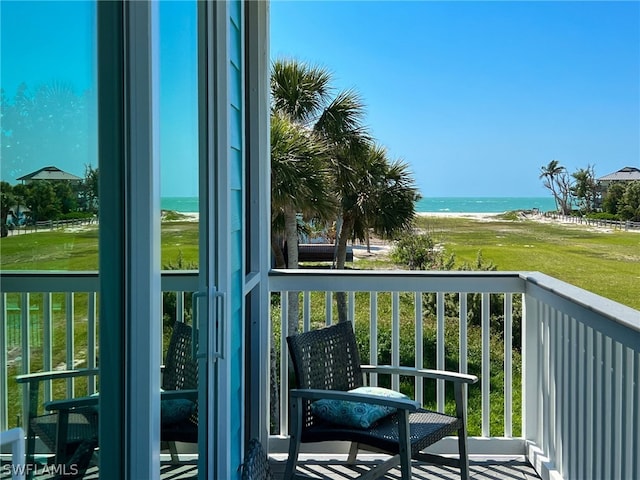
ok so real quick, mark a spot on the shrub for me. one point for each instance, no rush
(603, 216)
(418, 252)
(76, 215)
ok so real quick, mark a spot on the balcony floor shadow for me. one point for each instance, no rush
(325, 467)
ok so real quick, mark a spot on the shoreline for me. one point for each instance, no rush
(195, 216)
(478, 215)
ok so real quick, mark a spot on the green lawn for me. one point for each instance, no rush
(606, 263)
(78, 250)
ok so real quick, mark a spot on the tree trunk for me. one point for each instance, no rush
(291, 233)
(276, 248)
(274, 388)
(341, 260)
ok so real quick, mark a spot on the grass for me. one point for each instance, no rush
(77, 250)
(606, 263)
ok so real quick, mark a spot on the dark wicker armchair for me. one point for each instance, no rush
(256, 463)
(327, 365)
(65, 433)
(71, 432)
(180, 390)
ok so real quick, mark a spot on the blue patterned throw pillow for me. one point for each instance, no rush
(355, 414)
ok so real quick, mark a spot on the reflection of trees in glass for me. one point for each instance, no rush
(52, 125)
(88, 190)
(48, 200)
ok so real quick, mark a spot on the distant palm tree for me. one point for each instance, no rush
(553, 178)
(382, 200)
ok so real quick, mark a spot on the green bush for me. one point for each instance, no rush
(76, 216)
(417, 251)
(603, 216)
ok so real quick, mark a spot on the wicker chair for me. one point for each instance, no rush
(256, 463)
(63, 432)
(180, 384)
(73, 429)
(326, 365)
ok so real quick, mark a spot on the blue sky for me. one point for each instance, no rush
(477, 96)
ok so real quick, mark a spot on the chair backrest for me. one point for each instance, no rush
(327, 359)
(180, 369)
(256, 463)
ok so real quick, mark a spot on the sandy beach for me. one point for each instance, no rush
(474, 215)
(194, 217)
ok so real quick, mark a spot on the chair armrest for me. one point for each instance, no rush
(55, 375)
(318, 394)
(409, 371)
(71, 403)
(179, 394)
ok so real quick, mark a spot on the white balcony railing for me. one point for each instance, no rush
(569, 397)
(44, 312)
(580, 358)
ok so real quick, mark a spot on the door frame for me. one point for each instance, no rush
(129, 241)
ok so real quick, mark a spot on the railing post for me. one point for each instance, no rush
(70, 313)
(284, 364)
(373, 335)
(26, 352)
(440, 350)
(485, 377)
(395, 338)
(508, 363)
(419, 346)
(91, 340)
(4, 401)
(47, 341)
(530, 367)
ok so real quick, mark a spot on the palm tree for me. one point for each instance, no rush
(303, 94)
(299, 183)
(308, 126)
(382, 199)
(555, 179)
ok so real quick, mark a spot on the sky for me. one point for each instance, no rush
(475, 96)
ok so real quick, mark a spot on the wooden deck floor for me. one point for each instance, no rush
(482, 468)
(332, 468)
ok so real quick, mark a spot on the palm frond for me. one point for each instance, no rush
(342, 119)
(298, 89)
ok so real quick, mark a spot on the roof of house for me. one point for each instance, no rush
(49, 173)
(624, 174)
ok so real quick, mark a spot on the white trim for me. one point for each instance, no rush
(142, 403)
(14, 438)
(543, 465)
(4, 401)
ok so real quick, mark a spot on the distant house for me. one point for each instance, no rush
(626, 174)
(49, 173)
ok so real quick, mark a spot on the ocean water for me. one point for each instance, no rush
(434, 204)
(484, 204)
